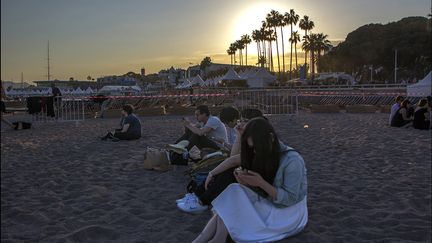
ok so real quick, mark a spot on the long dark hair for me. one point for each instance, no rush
(264, 156)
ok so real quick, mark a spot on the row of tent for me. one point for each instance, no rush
(107, 90)
(255, 78)
(48, 91)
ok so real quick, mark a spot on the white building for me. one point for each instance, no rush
(171, 76)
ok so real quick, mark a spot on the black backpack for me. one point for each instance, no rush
(178, 159)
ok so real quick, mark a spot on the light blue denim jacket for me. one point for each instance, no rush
(290, 180)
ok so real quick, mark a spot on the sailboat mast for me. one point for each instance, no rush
(49, 75)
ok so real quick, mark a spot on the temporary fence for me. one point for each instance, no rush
(269, 101)
(45, 109)
(353, 98)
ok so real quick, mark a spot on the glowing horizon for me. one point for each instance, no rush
(114, 37)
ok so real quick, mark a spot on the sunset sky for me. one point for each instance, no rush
(112, 37)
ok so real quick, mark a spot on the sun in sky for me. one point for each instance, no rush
(251, 19)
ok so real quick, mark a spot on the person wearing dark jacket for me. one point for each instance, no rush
(131, 126)
(421, 115)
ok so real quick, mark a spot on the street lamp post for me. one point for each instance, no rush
(395, 67)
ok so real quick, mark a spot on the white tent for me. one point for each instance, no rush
(77, 91)
(248, 73)
(422, 88)
(231, 75)
(197, 80)
(118, 90)
(260, 79)
(344, 76)
(186, 84)
(89, 90)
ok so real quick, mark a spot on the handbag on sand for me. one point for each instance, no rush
(156, 159)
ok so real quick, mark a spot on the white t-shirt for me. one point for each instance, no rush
(218, 129)
(232, 134)
(393, 111)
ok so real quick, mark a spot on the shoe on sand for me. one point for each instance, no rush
(179, 147)
(192, 205)
(185, 198)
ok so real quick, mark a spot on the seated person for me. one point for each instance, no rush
(421, 115)
(202, 137)
(229, 116)
(131, 126)
(395, 107)
(221, 176)
(401, 118)
(269, 200)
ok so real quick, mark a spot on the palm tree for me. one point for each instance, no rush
(311, 44)
(246, 41)
(256, 36)
(295, 38)
(261, 61)
(240, 46)
(322, 44)
(233, 49)
(274, 20)
(269, 36)
(231, 53)
(281, 25)
(263, 33)
(291, 19)
(306, 24)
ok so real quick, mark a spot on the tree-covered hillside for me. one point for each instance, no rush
(374, 45)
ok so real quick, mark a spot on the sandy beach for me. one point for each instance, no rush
(61, 183)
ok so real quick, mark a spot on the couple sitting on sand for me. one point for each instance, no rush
(258, 193)
(402, 113)
(130, 126)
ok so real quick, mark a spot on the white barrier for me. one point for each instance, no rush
(60, 110)
(270, 101)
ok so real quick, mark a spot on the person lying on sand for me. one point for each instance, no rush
(131, 126)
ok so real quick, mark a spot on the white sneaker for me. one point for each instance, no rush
(185, 198)
(192, 205)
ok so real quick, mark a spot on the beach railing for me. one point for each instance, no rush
(269, 101)
(70, 109)
(47, 108)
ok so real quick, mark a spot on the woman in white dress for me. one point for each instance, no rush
(269, 201)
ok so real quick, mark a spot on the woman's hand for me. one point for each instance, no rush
(248, 178)
(209, 179)
(239, 128)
